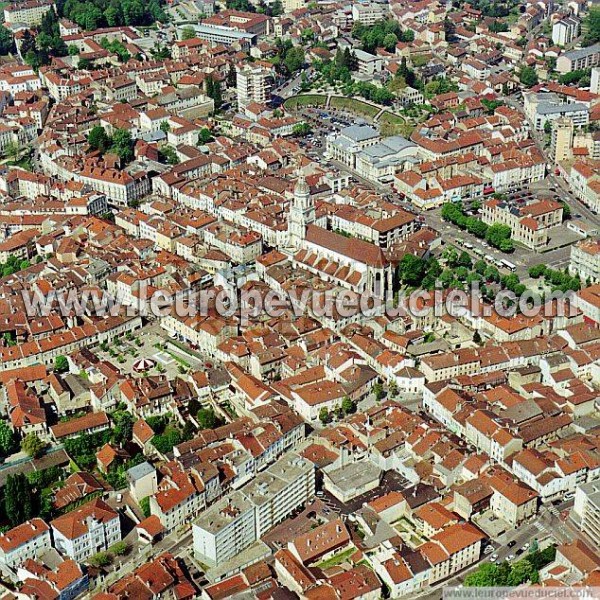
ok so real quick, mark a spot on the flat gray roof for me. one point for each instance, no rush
(359, 133)
(354, 475)
(550, 109)
(219, 29)
(582, 52)
(139, 471)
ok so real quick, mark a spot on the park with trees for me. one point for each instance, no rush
(526, 570)
(497, 235)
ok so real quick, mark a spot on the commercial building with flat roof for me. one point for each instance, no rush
(224, 35)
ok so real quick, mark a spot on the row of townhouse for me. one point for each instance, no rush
(184, 494)
(46, 350)
(554, 476)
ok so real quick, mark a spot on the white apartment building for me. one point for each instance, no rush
(368, 64)
(253, 84)
(565, 31)
(584, 181)
(583, 58)
(116, 184)
(369, 13)
(595, 81)
(562, 140)
(90, 529)
(586, 509)
(27, 540)
(29, 13)
(585, 260)
(410, 95)
(239, 519)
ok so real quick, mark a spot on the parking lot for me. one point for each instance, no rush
(391, 482)
(555, 255)
(316, 511)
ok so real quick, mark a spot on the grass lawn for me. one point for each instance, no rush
(337, 559)
(354, 105)
(24, 162)
(305, 100)
(388, 117)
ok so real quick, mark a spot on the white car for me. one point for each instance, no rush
(494, 556)
(511, 557)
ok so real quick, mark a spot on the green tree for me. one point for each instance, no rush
(12, 150)
(164, 443)
(378, 391)
(393, 389)
(168, 154)
(348, 405)
(389, 42)
(496, 233)
(7, 438)
(61, 364)
(492, 274)
(145, 506)
(18, 499)
(206, 418)
(464, 260)
(528, 76)
(204, 136)
(484, 576)
(33, 445)
(122, 145)
(301, 129)
(101, 559)
(480, 266)
(324, 416)
(122, 427)
(188, 33)
(591, 26)
(213, 90)
(294, 59)
(98, 139)
(411, 269)
(119, 549)
(520, 573)
(537, 271)
(7, 43)
(165, 127)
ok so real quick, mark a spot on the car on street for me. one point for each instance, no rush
(511, 544)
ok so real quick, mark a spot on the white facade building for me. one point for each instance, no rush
(27, 540)
(242, 517)
(90, 529)
(253, 84)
